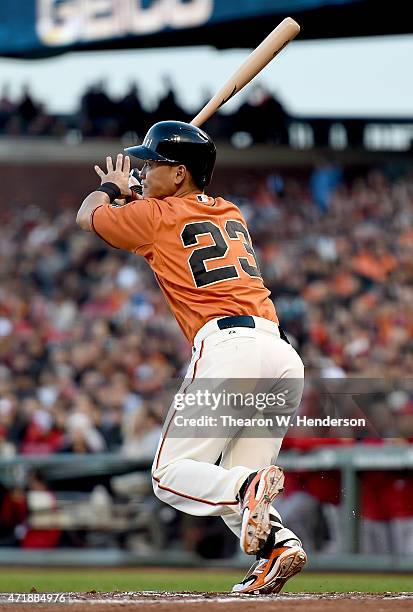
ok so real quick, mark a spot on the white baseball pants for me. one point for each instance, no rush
(202, 476)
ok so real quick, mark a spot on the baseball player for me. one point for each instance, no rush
(200, 251)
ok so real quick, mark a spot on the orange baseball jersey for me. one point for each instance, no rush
(200, 251)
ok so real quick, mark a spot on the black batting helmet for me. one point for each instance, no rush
(179, 143)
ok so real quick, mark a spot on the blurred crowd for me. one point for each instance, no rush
(100, 115)
(87, 344)
(88, 348)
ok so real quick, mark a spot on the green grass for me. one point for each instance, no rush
(84, 579)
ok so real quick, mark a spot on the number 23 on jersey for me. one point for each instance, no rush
(234, 230)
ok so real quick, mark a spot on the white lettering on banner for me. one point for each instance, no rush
(185, 14)
(70, 21)
(58, 25)
(100, 19)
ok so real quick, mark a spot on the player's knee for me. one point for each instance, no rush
(155, 486)
(157, 473)
(162, 493)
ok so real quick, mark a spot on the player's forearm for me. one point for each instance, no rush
(89, 204)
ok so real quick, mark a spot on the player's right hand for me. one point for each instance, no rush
(118, 175)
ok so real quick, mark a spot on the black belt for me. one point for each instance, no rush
(241, 321)
(244, 321)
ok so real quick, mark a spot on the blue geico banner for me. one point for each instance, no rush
(30, 28)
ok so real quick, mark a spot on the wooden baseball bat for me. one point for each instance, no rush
(263, 54)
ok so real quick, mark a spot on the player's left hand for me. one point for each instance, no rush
(118, 175)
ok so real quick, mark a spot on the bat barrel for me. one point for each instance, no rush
(255, 62)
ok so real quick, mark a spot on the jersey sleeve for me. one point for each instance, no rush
(129, 227)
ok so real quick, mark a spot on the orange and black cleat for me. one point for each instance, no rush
(255, 508)
(270, 575)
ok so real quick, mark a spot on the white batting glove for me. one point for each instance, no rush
(135, 184)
